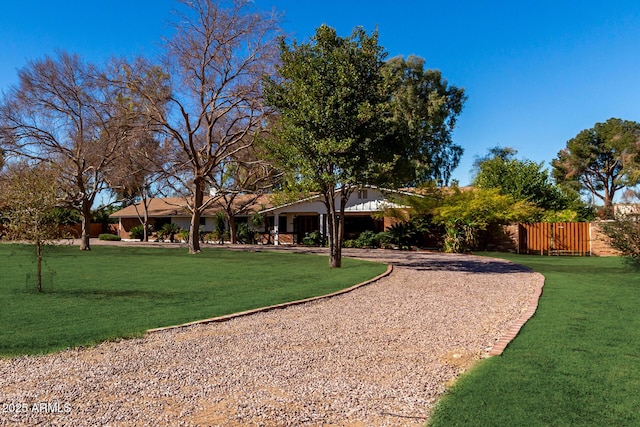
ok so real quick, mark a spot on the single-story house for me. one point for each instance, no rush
(628, 209)
(289, 223)
(173, 210)
(283, 224)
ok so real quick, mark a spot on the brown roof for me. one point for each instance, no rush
(244, 204)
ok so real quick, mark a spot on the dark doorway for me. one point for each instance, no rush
(354, 225)
(305, 224)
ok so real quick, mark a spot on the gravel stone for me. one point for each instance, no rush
(380, 355)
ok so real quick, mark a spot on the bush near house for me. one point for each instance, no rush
(313, 238)
(370, 239)
(183, 235)
(168, 232)
(245, 234)
(137, 232)
(109, 237)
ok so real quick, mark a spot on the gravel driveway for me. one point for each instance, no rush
(378, 356)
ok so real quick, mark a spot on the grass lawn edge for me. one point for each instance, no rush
(325, 284)
(574, 363)
(500, 345)
(227, 317)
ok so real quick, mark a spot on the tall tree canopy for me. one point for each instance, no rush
(601, 160)
(331, 100)
(424, 108)
(206, 97)
(347, 118)
(524, 180)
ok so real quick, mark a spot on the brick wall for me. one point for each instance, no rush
(503, 238)
(600, 242)
(126, 225)
(95, 229)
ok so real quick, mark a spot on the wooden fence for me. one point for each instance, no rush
(559, 238)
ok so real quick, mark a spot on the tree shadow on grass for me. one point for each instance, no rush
(462, 264)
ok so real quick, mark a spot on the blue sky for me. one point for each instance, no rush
(536, 72)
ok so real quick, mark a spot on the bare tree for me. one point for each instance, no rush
(28, 196)
(239, 182)
(63, 113)
(208, 101)
(137, 176)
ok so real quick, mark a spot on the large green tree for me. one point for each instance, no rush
(348, 118)
(331, 99)
(601, 160)
(524, 179)
(424, 109)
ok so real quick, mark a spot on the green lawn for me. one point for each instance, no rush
(114, 292)
(575, 363)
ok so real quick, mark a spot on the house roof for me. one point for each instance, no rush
(369, 206)
(247, 204)
(243, 204)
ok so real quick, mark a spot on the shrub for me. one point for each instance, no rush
(245, 234)
(402, 234)
(109, 237)
(220, 221)
(460, 237)
(312, 239)
(384, 240)
(170, 230)
(368, 239)
(351, 243)
(216, 236)
(183, 235)
(624, 232)
(137, 232)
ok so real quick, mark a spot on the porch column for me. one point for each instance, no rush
(322, 226)
(275, 229)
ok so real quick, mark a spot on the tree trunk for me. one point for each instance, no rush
(608, 203)
(333, 225)
(145, 224)
(335, 259)
(39, 254)
(194, 237)
(86, 222)
(232, 229)
(340, 231)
